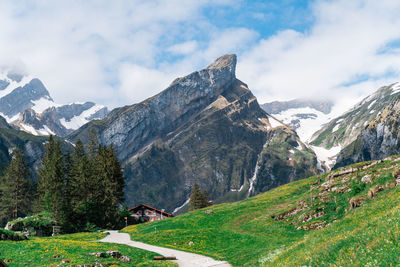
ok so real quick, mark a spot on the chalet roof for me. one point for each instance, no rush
(150, 208)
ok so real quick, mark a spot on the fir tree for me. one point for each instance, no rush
(53, 180)
(112, 182)
(16, 196)
(198, 199)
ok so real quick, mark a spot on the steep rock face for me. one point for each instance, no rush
(342, 131)
(380, 138)
(206, 126)
(277, 166)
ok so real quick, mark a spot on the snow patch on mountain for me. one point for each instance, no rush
(12, 84)
(274, 122)
(396, 88)
(305, 121)
(77, 121)
(327, 156)
(181, 206)
(42, 104)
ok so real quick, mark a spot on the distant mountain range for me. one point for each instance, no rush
(27, 105)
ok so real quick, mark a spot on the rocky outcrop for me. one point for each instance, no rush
(206, 126)
(360, 133)
(380, 138)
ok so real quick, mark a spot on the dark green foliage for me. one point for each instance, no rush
(9, 235)
(15, 188)
(198, 199)
(39, 224)
(52, 183)
(356, 187)
(82, 191)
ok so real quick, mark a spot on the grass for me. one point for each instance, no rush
(75, 247)
(245, 234)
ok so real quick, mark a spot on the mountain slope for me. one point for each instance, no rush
(10, 139)
(344, 133)
(26, 103)
(380, 137)
(330, 219)
(206, 126)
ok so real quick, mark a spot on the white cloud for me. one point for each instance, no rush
(120, 52)
(78, 47)
(138, 82)
(183, 48)
(342, 45)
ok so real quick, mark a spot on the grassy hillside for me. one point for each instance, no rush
(320, 221)
(76, 247)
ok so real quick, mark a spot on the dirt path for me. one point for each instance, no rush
(184, 259)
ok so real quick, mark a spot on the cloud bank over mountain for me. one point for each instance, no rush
(121, 52)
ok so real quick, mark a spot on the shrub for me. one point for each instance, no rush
(41, 223)
(9, 235)
(356, 187)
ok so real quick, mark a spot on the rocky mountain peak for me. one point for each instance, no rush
(206, 126)
(226, 61)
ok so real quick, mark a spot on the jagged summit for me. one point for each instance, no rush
(228, 61)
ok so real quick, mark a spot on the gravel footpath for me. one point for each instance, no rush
(183, 259)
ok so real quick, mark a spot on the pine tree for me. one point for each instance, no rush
(205, 199)
(198, 199)
(16, 196)
(53, 180)
(82, 185)
(112, 181)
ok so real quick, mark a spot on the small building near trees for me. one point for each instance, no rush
(144, 213)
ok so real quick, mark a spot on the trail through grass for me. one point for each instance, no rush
(268, 230)
(76, 247)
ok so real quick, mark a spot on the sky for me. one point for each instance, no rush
(120, 52)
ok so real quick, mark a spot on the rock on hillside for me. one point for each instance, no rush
(206, 126)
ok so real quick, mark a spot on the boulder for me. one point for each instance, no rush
(124, 259)
(366, 179)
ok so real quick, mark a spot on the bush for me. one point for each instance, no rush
(356, 187)
(9, 235)
(41, 223)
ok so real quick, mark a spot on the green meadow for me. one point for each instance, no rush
(75, 247)
(304, 223)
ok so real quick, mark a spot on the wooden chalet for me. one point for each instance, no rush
(144, 213)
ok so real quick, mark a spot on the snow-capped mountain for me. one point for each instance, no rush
(304, 116)
(26, 104)
(367, 131)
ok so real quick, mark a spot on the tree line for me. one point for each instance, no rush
(82, 188)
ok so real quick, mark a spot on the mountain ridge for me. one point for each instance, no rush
(206, 126)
